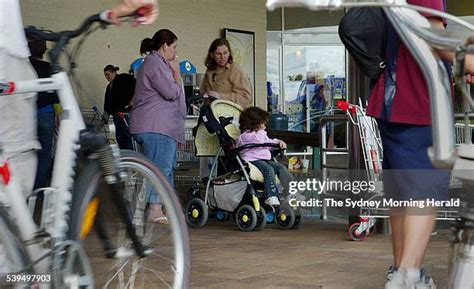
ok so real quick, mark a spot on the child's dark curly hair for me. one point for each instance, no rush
(252, 118)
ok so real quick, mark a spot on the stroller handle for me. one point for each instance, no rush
(200, 97)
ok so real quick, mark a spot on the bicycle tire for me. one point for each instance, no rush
(86, 188)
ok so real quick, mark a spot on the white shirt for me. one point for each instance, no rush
(12, 34)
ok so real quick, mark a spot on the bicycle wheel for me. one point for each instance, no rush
(168, 265)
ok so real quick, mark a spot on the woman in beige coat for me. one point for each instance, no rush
(225, 79)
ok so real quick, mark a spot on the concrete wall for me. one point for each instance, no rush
(195, 22)
(302, 18)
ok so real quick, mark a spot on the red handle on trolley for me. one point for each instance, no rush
(345, 106)
(5, 173)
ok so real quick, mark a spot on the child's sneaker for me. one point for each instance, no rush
(272, 201)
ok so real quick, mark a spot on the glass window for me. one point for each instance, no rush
(273, 79)
(314, 76)
(310, 76)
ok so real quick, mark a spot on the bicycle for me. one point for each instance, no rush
(419, 39)
(58, 247)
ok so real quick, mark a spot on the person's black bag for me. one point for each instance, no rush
(364, 34)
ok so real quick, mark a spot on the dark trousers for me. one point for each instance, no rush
(122, 132)
(46, 127)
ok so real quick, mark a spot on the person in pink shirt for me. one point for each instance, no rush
(253, 122)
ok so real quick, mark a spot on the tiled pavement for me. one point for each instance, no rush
(317, 256)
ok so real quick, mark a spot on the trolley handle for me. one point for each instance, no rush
(346, 106)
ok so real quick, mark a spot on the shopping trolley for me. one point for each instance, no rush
(187, 170)
(97, 121)
(186, 152)
(372, 152)
(463, 133)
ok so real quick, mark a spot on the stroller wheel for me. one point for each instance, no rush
(222, 216)
(298, 220)
(285, 217)
(270, 217)
(246, 218)
(261, 220)
(196, 213)
(354, 235)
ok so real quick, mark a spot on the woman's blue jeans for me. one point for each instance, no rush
(161, 150)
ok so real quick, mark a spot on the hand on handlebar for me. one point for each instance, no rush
(212, 94)
(147, 10)
(282, 144)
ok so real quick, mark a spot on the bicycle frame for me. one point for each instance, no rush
(56, 201)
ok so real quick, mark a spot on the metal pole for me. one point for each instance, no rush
(282, 63)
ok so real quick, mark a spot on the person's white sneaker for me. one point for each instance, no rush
(425, 282)
(411, 278)
(399, 280)
(392, 269)
(272, 201)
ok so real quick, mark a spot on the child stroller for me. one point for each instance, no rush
(230, 185)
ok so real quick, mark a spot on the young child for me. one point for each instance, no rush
(253, 122)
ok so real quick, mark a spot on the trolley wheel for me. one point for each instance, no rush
(298, 220)
(246, 218)
(222, 216)
(354, 235)
(261, 219)
(285, 217)
(197, 213)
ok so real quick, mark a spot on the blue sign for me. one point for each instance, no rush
(187, 67)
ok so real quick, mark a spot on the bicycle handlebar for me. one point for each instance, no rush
(419, 37)
(67, 34)
(62, 38)
(446, 39)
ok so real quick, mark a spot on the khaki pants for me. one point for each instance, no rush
(18, 122)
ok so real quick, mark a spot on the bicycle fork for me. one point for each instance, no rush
(108, 157)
